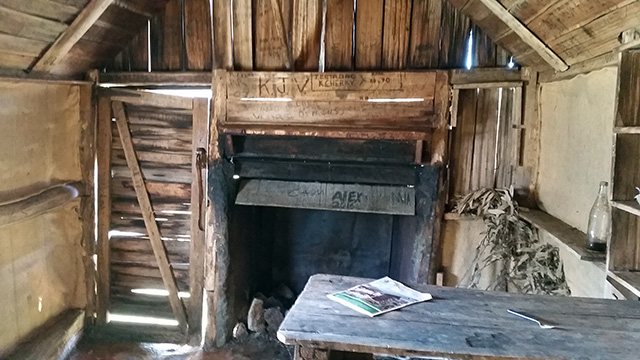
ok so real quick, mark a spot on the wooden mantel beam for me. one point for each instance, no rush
(63, 44)
(526, 35)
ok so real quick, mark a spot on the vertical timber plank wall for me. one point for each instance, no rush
(198, 41)
(271, 51)
(339, 35)
(395, 34)
(287, 35)
(306, 30)
(425, 33)
(368, 48)
(41, 265)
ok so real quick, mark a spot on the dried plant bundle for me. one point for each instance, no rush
(528, 266)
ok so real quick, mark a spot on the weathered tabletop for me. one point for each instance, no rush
(465, 324)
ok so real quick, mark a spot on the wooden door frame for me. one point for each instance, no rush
(111, 106)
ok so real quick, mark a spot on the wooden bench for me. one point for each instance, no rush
(461, 324)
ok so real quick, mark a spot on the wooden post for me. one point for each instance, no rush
(216, 245)
(517, 129)
(155, 238)
(103, 158)
(531, 136)
(87, 209)
(198, 193)
(439, 157)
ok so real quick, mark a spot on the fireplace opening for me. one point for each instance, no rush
(287, 246)
(277, 240)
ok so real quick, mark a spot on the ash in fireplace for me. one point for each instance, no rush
(255, 346)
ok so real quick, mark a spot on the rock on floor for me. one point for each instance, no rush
(274, 317)
(240, 331)
(255, 317)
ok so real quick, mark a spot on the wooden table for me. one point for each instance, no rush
(462, 324)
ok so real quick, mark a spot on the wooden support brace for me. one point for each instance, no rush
(61, 47)
(525, 34)
(147, 213)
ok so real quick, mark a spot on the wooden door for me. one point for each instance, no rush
(151, 174)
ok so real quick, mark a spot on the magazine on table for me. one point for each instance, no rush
(379, 296)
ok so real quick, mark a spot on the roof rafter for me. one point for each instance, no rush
(526, 35)
(63, 44)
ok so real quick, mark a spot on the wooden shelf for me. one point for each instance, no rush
(629, 279)
(451, 216)
(626, 129)
(622, 249)
(632, 207)
(567, 236)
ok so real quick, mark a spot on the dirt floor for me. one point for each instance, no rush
(255, 347)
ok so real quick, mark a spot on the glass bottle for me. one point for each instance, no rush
(599, 229)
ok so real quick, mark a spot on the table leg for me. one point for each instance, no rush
(306, 353)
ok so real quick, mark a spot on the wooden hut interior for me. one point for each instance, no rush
(191, 179)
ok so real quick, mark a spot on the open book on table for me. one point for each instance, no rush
(379, 296)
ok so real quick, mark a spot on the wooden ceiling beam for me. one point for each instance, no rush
(61, 47)
(163, 78)
(484, 75)
(526, 35)
(596, 63)
(17, 75)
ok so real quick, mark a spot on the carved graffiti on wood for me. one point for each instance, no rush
(331, 86)
(398, 200)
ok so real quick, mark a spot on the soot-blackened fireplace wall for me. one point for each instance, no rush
(272, 245)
